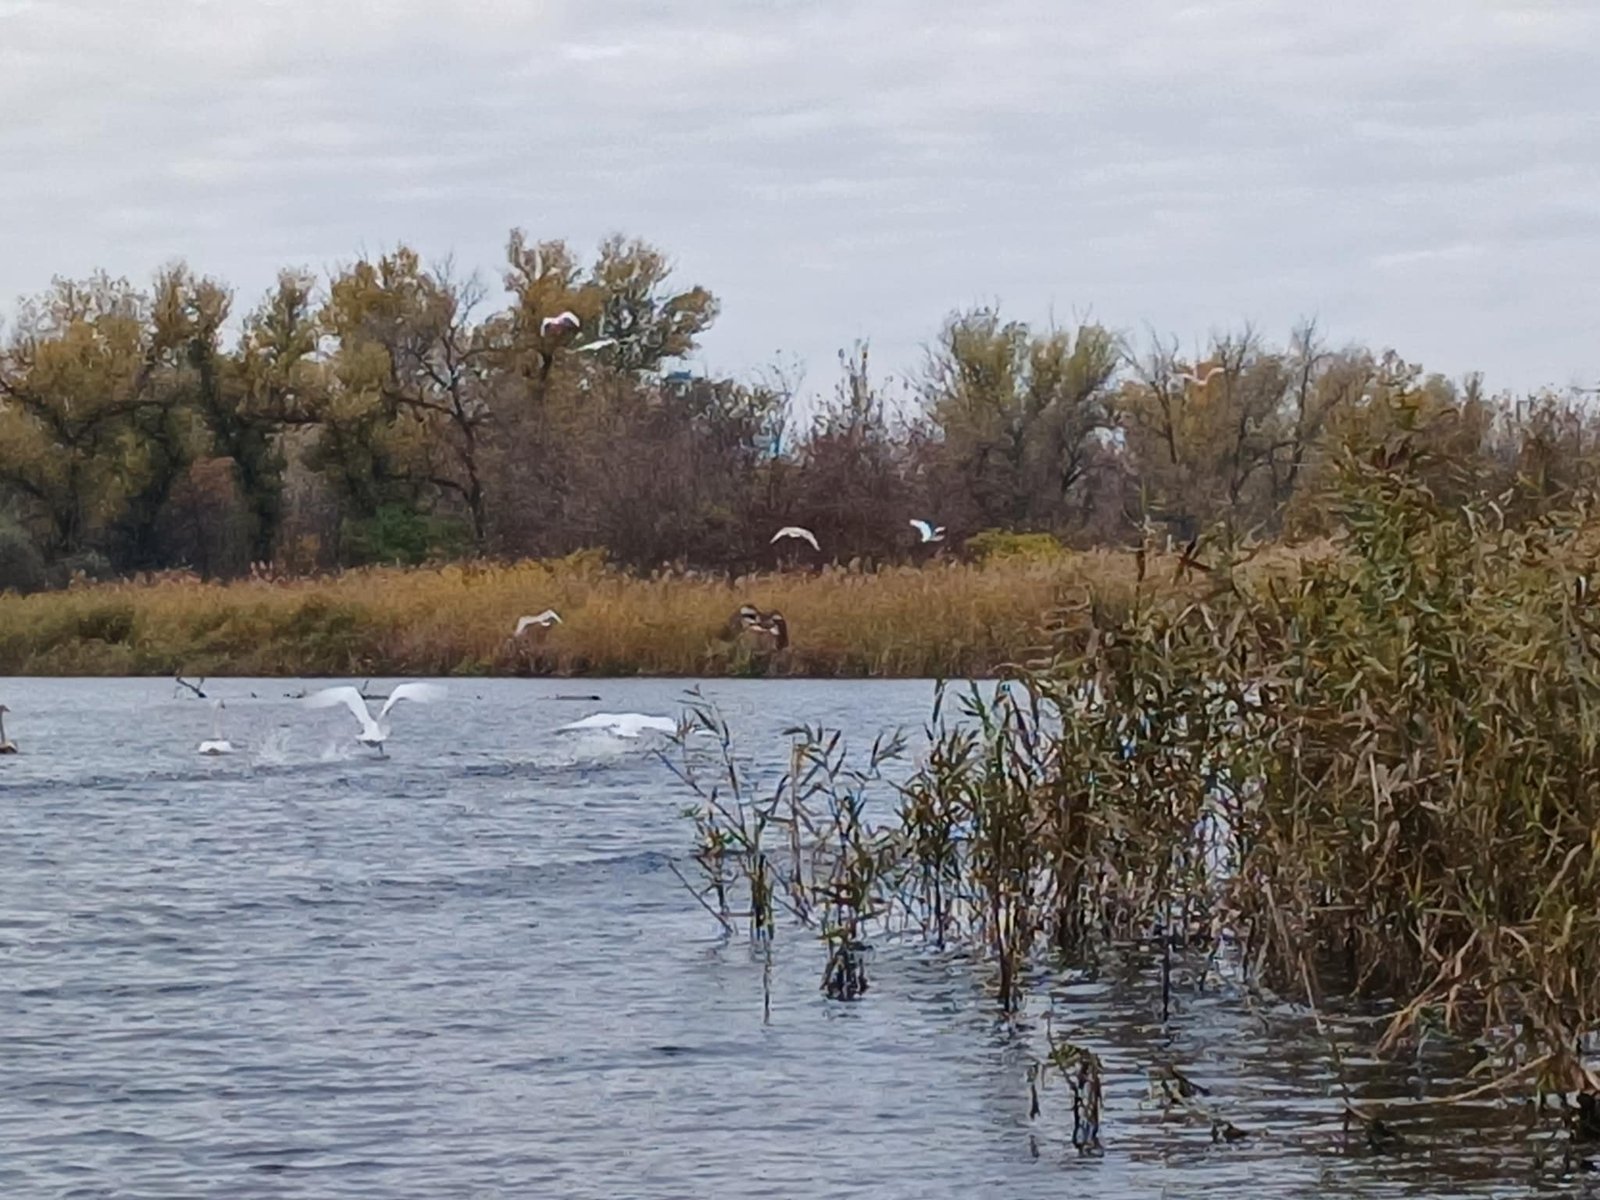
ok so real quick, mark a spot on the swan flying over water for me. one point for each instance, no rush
(216, 743)
(544, 620)
(628, 725)
(374, 733)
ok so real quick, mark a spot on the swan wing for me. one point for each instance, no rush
(548, 617)
(628, 725)
(420, 693)
(795, 531)
(348, 696)
(923, 528)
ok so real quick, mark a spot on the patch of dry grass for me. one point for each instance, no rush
(950, 619)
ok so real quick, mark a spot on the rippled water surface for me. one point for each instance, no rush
(466, 969)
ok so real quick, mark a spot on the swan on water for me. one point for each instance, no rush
(216, 743)
(795, 531)
(627, 725)
(544, 620)
(374, 733)
(561, 321)
(929, 532)
(1200, 380)
(5, 746)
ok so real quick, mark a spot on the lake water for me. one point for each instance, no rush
(466, 970)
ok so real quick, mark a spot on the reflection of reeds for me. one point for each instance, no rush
(948, 619)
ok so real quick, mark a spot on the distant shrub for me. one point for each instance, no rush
(111, 622)
(90, 564)
(993, 545)
(22, 567)
(397, 535)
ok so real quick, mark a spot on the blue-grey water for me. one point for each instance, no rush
(466, 969)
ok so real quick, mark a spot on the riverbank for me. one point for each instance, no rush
(944, 619)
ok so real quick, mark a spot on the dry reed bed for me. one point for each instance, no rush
(1370, 779)
(952, 619)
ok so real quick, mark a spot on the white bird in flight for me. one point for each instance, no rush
(930, 533)
(627, 725)
(1200, 380)
(562, 320)
(544, 620)
(216, 743)
(374, 733)
(795, 531)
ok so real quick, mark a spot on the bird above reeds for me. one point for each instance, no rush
(216, 743)
(796, 531)
(6, 747)
(559, 323)
(542, 620)
(1200, 380)
(928, 531)
(374, 733)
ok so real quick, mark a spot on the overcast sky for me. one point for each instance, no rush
(1423, 175)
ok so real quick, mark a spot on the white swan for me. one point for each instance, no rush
(559, 322)
(544, 620)
(216, 743)
(627, 725)
(1200, 380)
(795, 531)
(5, 746)
(930, 533)
(374, 733)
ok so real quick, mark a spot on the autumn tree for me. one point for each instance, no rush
(83, 413)
(1016, 412)
(407, 409)
(850, 485)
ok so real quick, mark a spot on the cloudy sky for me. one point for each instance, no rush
(1423, 175)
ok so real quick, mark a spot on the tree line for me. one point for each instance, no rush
(393, 413)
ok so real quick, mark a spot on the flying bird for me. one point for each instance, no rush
(374, 733)
(626, 725)
(544, 620)
(216, 743)
(1200, 380)
(930, 533)
(795, 531)
(559, 322)
(5, 746)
